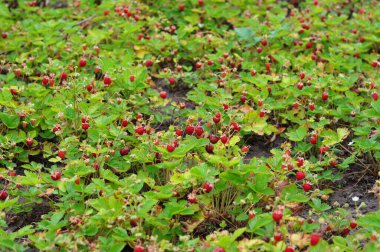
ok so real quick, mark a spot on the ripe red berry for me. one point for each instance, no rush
(260, 103)
(259, 49)
(198, 65)
(105, 13)
(244, 148)
(262, 113)
(189, 129)
(300, 161)
(198, 130)
(61, 154)
(82, 62)
(213, 139)
(63, 76)
(29, 142)
(132, 78)
(55, 175)
(308, 45)
(170, 147)
(313, 140)
(277, 216)
(181, 7)
(192, 198)
(77, 181)
(4, 35)
(296, 105)
(264, 42)
(300, 85)
(216, 119)
(219, 249)
(311, 106)
(353, 224)
(89, 87)
(209, 62)
(124, 123)
(148, 63)
(345, 232)
(253, 72)
(314, 239)
(201, 2)
(289, 249)
(307, 187)
(140, 130)
(107, 80)
(163, 94)
(224, 139)
(302, 75)
(3, 194)
(375, 64)
(138, 248)
(85, 126)
(277, 236)
(45, 80)
(375, 96)
(209, 148)
(243, 98)
(207, 186)
(267, 66)
(171, 81)
(325, 96)
(124, 151)
(300, 175)
(251, 215)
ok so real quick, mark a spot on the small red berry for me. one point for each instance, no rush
(300, 175)
(171, 81)
(207, 186)
(325, 96)
(307, 187)
(314, 239)
(82, 62)
(61, 154)
(55, 175)
(107, 80)
(300, 161)
(375, 96)
(311, 106)
(148, 63)
(209, 148)
(170, 147)
(29, 142)
(163, 94)
(192, 198)
(140, 130)
(224, 139)
(124, 151)
(4, 35)
(353, 224)
(277, 216)
(3, 194)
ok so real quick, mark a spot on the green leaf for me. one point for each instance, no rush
(297, 135)
(11, 121)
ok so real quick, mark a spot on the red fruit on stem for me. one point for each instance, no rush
(163, 94)
(300, 161)
(189, 129)
(224, 139)
(85, 126)
(170, 147)
(300, 85)
(140, 130)
(311, 106)
(61, 154)
(3, 194)
(277, 236)
(259, 49)
(63, 76)
(148, 63)
(300, 175)
(353, 224)
(277, 216)
(289, 249)
(107, 80)
(82, 62)
(209, 148)
(124, 123)
(138, 248)
(325, 96)
(45, 80)
(124, 151)
(207, 186)
(181, 7)
(132, 78)
(375, 96)
(4, 35)
(192, 198)
(171, 81)
(29, 142)
(307, 187)
(244, 148)
(216, 119)
(264, 42)
(55, 175)
(314, 239)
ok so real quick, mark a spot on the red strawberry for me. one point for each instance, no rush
(124, 123)
(181, 7)
(307, 187)
(302, 75)
(209, 148)
(277, 216)
(262, 113)
(132, 78)
(61, 154)
(216, 119)
(171, 81)
(267, 66)
(253, 72)
(198, 130)
(289, 249)
(148, 63)
(85, 126)
(29, 142)
(45, 80)
(140, 130)
(207, 186)
(325, 96)
(311, 106)
(259, 49)
(300, 161)
(353, 224)
(107, 80)
(300, 175)
(300, 85)
(4, 35)
(243, 98)
(82, 62)
(55, 175)
(251, 215)
(224, 139)
(244, 148)
(124, 151)
(138, 248)
(313, 139)
(213, 139)
(63, 76)
(375, 96)
(178, 132)
(163, 94)
(189, 129)
(314, 239)
(277, 236)
(3, 194)
(264, 42)
(192, 198)
(170, 147)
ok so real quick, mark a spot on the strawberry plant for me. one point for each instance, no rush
(198, 125)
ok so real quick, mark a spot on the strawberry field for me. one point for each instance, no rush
(191, 125)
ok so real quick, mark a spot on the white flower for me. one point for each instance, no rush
(355, 198)
(350, 143)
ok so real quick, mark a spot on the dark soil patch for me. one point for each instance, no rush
(356, 182)
(261, 147)
(176, 92)
(17, 221)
